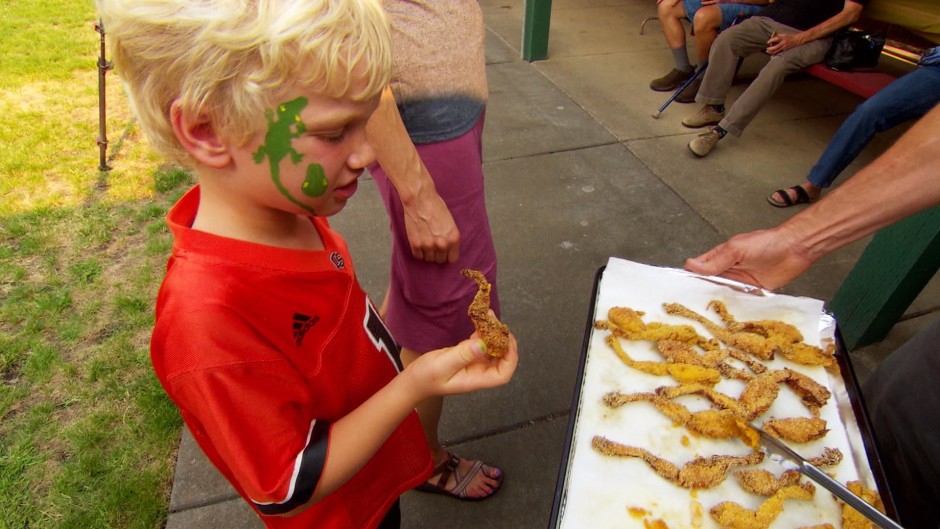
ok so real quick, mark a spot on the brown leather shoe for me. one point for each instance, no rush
(671, 80)
(687, 95)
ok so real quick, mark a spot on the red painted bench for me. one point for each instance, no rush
(865, 84)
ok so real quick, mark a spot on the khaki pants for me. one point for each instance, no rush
(740, 41)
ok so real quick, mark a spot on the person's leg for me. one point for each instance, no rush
(903, 406)
(671, 13)
(705, 24)
(739, 41)
(909, 97)
(426, 303)
(771, 76)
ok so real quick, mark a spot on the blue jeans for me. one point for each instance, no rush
(909, 97)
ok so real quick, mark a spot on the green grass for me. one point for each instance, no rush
(88, 439)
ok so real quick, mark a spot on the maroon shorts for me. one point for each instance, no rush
(427, 302)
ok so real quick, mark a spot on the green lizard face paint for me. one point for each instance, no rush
(283, 127)
(315, 184)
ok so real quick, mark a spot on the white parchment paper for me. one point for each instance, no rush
(608, 492)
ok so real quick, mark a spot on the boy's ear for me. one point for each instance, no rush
(197, 135)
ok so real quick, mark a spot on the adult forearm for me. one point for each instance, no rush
(395, 152)
(901, 182)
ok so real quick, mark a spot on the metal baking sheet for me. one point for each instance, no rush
(597, 492)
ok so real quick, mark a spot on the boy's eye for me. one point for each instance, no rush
(331, 138)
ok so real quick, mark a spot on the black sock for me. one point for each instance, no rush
(721, 132)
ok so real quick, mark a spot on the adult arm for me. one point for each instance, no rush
(851, 10)
(901, 182)
(431, 229)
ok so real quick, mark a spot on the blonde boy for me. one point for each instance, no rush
(280, 365)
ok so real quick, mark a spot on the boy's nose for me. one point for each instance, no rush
(363, 156)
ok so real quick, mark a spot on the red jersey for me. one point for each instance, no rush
(262, 348)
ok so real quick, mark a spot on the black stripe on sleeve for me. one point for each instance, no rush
(306, 477)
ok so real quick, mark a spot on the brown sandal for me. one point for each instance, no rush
(451, 466)
(802, 197)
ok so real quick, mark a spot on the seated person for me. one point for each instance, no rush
(908, 98)
(708, 18)
(795, 33)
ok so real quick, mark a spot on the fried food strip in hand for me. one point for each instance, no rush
(716, 424)
(796, 429)
(730, 515)
(683, 373)
(852, 519)
(765, 483)
(700, 473)
(494, 333)
(628, 324)
(748, 342)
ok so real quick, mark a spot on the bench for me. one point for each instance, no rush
(865, 83)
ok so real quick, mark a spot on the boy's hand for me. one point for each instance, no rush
(462, 368)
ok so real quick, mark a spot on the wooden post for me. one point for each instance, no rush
(893, 269)
(538, 14)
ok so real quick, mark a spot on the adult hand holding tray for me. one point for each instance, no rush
(598, 491)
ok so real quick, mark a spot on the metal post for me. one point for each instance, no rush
(103, 66)
(537, 19)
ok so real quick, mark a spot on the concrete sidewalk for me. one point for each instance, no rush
(578, 171)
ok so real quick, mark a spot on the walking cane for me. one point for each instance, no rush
(698, 71)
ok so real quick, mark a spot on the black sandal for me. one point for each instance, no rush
(802, 197)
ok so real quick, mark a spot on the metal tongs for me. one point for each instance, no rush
(773, 446)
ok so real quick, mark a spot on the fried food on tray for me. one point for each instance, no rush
(765, 483)
(494, 333)
(717, 397)
(683, 373)
(679, 352)
(757, 396)
(700, 473)
(716, 424)
(796, 429)
(813, 394)
(852, 519)
(730, 515)
(787, 337)
(810, 355)
(748, 342)
(776, 331)
(829, 458)
(628, 324)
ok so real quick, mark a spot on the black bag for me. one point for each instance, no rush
(854, 49)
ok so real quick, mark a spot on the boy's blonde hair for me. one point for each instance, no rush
(234, 59)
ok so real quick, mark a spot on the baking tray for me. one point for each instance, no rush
(627, 489)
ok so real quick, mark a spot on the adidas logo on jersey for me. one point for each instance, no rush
(302, 324)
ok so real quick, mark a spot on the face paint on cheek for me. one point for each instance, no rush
(315, 184)
(283, 126)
